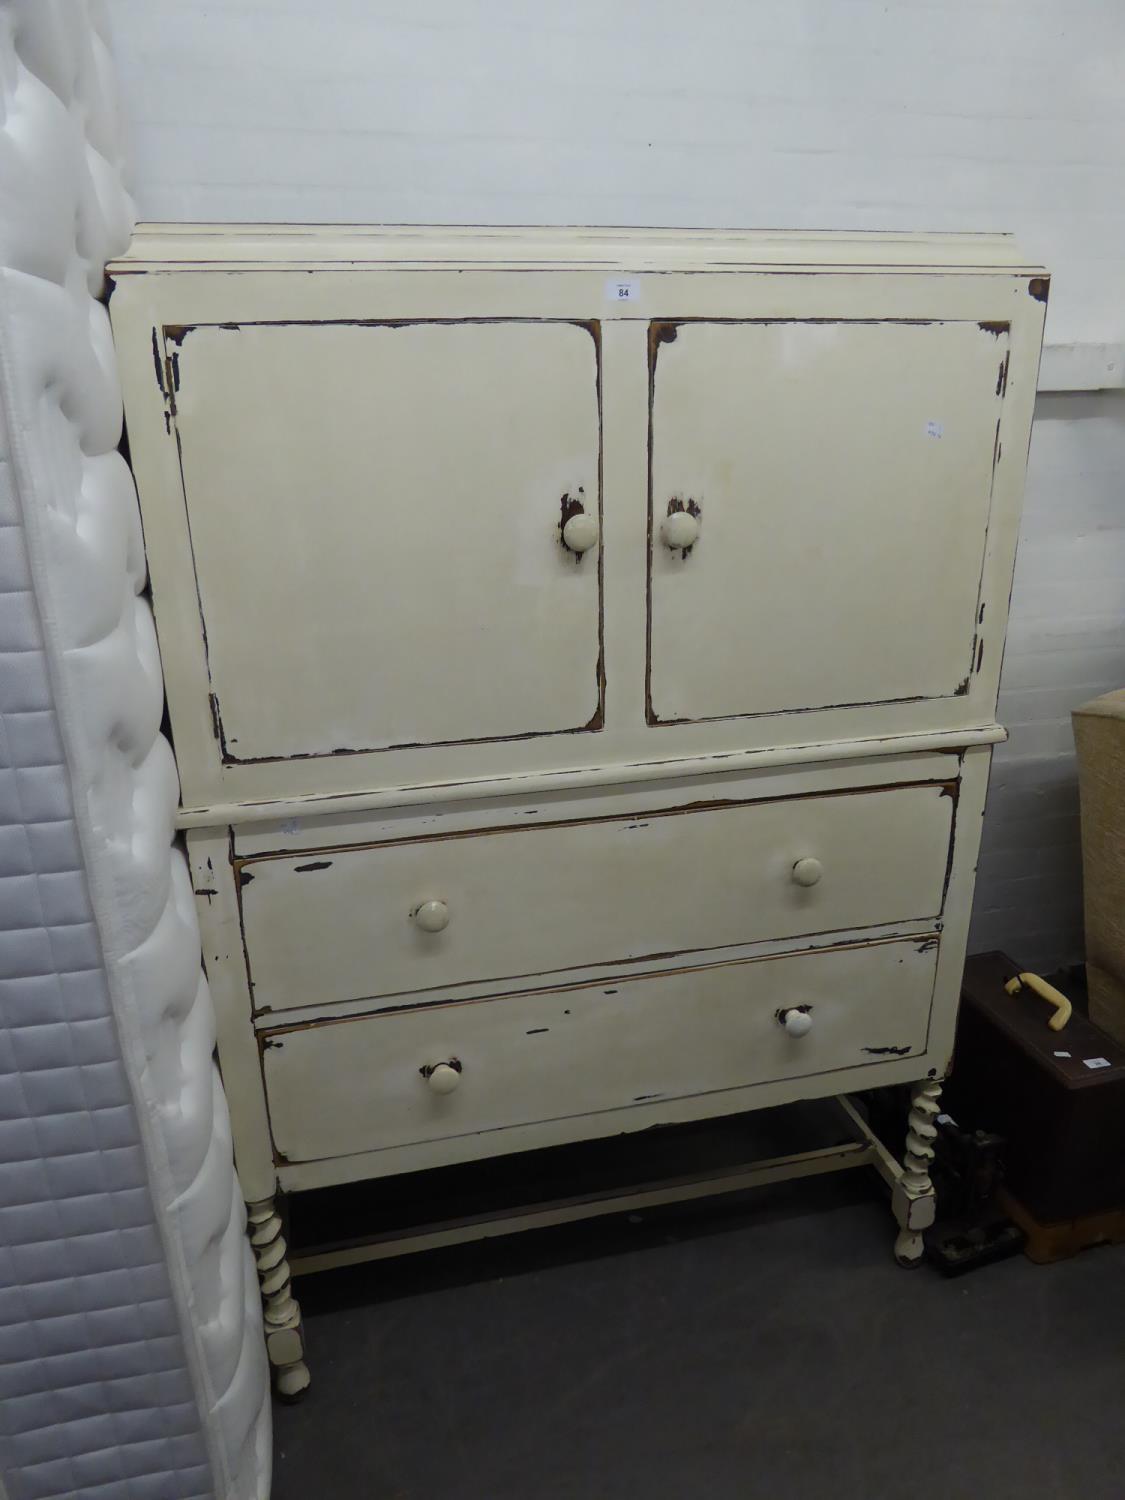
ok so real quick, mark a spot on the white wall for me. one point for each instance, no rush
(936, 114)
(1066, 644)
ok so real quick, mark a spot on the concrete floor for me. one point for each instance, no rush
(767, 1346)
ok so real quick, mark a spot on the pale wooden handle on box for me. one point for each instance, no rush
(1046, 992)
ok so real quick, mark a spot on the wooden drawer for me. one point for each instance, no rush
(341, 1087)
(323, 927)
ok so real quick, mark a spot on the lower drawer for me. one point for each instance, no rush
(339, 1087)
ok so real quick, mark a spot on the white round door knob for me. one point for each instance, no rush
(431, 916)
(679, 530)
(581, 532)
(444, 1077)
(796, 1022)
(807, 871)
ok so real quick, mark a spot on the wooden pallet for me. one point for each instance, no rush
(1050, 1242)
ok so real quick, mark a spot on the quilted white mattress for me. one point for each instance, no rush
(131, 1356)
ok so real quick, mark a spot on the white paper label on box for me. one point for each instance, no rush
(622, 291)
(1097, 1062)
(1064, 1054)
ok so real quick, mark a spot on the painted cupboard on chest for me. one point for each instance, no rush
(582, 651)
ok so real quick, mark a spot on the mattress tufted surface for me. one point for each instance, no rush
(131, 1355)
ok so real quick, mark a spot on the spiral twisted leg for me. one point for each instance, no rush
(921, 1132)
(913, 1197)
(285, 1343)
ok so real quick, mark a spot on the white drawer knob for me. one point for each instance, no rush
(807, 871)
(679, 530)
(796, 1022)
(581, 532)
(444, 1077)
(431, 916)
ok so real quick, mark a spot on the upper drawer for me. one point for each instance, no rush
(344, 924)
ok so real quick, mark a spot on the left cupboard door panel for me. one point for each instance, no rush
(376, 516)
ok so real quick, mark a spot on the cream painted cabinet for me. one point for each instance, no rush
(582, 651)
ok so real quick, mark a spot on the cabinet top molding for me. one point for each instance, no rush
(202, 247)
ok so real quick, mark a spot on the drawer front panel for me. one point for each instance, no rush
(361, 1085)
(333, 926)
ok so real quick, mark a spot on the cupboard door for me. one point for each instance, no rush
(819, 508)
(377, 515)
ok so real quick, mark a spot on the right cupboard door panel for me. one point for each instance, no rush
(819, 509)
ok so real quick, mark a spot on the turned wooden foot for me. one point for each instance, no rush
(913, 1199)
(285, 1341)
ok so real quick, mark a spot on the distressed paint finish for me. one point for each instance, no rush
(216, 895)
(625, 790)
(528, 899)
(446, 798)
(842, 475)
(707, 1033)
(494, 842)
(174, 279)
(243, 1061)
(406, 476)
